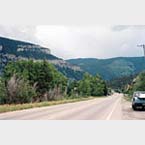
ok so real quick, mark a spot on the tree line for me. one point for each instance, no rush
(120, 84)
(138, 84)
(35, 81)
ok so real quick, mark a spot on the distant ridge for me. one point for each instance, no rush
(112, 67)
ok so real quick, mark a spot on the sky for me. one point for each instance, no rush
(96, 41)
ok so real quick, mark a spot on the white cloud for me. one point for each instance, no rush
(82, 41)
(25, 33)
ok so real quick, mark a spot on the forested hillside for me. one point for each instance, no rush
(111, 68)
(13, 50)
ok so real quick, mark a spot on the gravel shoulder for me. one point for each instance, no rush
(129, 113)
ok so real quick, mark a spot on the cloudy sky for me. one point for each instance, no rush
(82, 41)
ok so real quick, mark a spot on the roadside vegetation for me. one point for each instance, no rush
(15, 107)
(41, 83)
(137, 84)
(128, 84)
(120, 84)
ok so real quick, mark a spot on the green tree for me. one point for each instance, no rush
(92, 86)
(139, 82)
(42, 75)
(98, 86)
(73, 90)
(84, 85)
(3, 92)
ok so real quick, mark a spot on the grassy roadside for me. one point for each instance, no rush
(8, 108)
(127, 97)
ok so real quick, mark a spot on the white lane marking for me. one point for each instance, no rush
(113, 109)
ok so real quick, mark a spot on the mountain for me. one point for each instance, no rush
(111, 68)
(13, 50)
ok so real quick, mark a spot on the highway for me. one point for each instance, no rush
(102, 108)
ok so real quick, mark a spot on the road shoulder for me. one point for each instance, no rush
(129, 113)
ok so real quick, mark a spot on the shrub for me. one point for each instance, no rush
(3, 92)
(19, 91)
(49, 83)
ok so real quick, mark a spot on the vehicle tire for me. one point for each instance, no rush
(134, 107)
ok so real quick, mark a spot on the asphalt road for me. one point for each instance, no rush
(106, 108)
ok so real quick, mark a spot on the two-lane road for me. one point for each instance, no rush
(106, 108)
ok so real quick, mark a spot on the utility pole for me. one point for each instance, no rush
(143, 46)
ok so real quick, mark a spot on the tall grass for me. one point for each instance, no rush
(13, 107)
